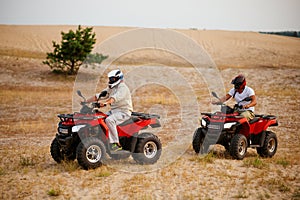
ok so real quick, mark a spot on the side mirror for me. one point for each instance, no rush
(80, 94)
(215, 95)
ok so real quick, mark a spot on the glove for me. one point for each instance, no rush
(103, 104)
(103, 93)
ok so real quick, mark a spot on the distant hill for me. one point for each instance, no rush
(236, 49)
(285, 33)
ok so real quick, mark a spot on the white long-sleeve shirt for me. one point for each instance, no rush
(121, 94)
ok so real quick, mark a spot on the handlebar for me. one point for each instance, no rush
(218, 103)
(94, 104)
(83, 103)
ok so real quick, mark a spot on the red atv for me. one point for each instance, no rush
(84, 135)
(235, 132)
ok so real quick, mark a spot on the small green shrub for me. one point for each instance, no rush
(257, 163)
(208, 158)
(54, 192)
(241, 195)
(103, 174)
(25, 161)
(70, 166)
(283, 162)
(2, 172)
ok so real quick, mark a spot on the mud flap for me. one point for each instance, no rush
(133, 142)
(262, 138)
(211, 138)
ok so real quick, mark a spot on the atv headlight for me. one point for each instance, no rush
(77, 128)
(229, 125)
(203, 123)
(63, 130)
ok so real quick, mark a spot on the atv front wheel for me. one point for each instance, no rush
(269, 148)
(90, 153)
(56, 151)
(238, 146)
(198, 139)
(148, 149)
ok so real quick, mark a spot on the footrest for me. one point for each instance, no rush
(121, 152)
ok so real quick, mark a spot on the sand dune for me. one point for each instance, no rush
(227, 48)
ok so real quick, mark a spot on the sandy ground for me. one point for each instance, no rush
(31, 97)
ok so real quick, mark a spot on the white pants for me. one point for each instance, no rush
(112, 121)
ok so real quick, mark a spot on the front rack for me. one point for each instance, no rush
(65, 117)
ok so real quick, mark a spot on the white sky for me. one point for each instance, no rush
(251, 15)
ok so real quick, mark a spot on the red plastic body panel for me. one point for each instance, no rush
(261, 125)
(135, 127)
(247, 129)
(96, 119)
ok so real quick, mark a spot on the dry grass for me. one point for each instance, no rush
(255, 162)
(36, 162)
(31, 97)
(20, 53)
(104, 171)
(26, 109)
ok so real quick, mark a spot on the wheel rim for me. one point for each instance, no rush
(150, 149)
(242, 147)
(271, 145)
(93, 153)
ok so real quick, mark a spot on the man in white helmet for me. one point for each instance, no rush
(118, 96)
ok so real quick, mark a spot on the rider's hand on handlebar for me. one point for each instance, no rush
(102, 104)
(245, 106)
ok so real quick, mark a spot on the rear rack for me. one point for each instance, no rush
(266, 116)
(65, 117)
(225, 116)
(145, 115)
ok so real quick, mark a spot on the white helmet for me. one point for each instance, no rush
(115, 77)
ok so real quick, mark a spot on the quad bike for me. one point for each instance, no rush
(84, 136)
(236, 133)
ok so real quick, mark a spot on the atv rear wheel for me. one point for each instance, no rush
(56, 151)
(238, 146)
(90, 153)
(148, 149)
(198, 139)
(269, 147)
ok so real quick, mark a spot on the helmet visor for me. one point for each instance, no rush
(237, 85)
(113, 79)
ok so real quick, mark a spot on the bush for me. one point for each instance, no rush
(74, 48)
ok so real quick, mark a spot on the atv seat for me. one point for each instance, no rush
(131, 120)
(145, 115)
(255, 119)
(266, 116)
(269, 117)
